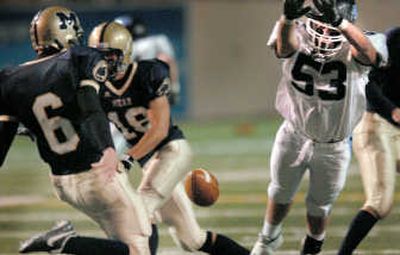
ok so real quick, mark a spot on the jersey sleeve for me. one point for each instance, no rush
(8, 129)
(90, 67)
(159, 82)
(377, 101)
(378, 40)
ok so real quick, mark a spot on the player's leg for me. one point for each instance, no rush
(163, 172)
(328, 170)
(374, 143)
(62, 238)
(160, 176)
(178, 214)
(107, 197)
(286, 173)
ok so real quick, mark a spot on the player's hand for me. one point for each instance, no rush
(294, 9)
(23, 131)
(127, 161)
(396, 115)
(330, 14)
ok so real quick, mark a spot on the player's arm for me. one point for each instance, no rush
(159, 118)
(94, 119)
(8, 130)
(90, 70)
(286, 42)
(379, 102)
(362, 48)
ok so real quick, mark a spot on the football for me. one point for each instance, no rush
(202, 187)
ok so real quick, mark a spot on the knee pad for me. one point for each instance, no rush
(139, 245)
(279, 195)
(380, 209)
(318, 210)
(188, 240)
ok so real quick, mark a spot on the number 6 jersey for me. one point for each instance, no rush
(324, 100)
(42, 94)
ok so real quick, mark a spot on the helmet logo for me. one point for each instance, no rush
(67, 21)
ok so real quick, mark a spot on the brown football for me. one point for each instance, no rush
(202, 187)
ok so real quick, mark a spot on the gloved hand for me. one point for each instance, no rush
(294, 9)
(330, 13)
(23, 131)
(127, 161)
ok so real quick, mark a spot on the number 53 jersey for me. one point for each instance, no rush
(324, 100)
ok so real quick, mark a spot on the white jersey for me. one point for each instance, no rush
(151, 46)
(324, 100)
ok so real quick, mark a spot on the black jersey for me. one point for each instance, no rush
(126, 103)
(383, 91)
(42, 94)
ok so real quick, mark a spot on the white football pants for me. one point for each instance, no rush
(293, 154)
(105, 195)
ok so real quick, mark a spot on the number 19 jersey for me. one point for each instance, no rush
(324, 100)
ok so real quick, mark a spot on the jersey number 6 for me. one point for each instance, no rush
(334, 70)
(59, 132)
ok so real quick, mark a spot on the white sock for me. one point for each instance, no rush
(271, 231)
(319, 237)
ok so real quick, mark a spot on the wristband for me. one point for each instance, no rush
(285, 20)
(343, 24)
(128, 161)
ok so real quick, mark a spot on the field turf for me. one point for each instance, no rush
(237, 152)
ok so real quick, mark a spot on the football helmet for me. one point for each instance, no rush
(116, 41)
(135, 25)
(324, 40)
(55, 28)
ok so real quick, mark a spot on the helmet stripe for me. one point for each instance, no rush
(103, 31)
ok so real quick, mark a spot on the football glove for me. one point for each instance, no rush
(330, 13)
(127, 161)
(294, 9)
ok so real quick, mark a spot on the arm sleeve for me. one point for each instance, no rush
(160, 84)
(95, 121)
(7, 133)
(375, 97)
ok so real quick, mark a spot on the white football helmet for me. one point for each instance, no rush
(324, 40)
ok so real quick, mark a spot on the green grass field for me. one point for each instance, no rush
(238, 154)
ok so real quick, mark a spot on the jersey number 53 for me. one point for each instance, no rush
(334, 71)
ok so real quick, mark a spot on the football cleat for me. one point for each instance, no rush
(52, 241)
(266, 246)
(311, 246)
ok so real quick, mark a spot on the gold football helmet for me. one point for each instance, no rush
(111, 35)
(55, 27)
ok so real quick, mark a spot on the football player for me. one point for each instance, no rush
(56, 98)
(321, 96)
(135, 101)
(377, 146)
